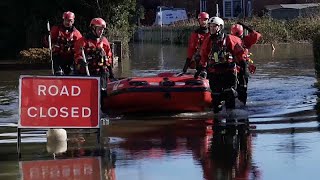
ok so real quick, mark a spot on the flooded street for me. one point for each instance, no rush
(282, 139)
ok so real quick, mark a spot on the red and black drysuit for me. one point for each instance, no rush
(240, 51)
(195, 41)
(63, 39)
(98, 56)
(217, 61)
(225, 57)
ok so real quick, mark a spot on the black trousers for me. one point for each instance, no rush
(243, 78)
(61, 65)
(221, 81)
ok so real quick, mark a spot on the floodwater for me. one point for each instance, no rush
(281, 141)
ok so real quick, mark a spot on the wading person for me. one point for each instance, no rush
(63, 37)
(217, 62)
(93, 54)
(196, 39)
(240, 45)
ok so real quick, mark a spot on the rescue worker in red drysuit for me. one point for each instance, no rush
(195, 41)
(97, 51)
(98, 55)
(239, 46)
(217, 62)
(63, 37)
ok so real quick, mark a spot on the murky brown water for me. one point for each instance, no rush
(282, 139)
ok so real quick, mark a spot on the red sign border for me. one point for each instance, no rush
(58, 77)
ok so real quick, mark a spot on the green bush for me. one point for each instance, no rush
(34, 56)
(272, 30)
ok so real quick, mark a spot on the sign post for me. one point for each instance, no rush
(58, 102)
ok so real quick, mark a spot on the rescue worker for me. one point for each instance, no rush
(239, 46)
(97, 59)
(97, 50)
(216, 60)
(195, 41)
(63, 37)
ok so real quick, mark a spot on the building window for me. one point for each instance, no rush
(231, 8)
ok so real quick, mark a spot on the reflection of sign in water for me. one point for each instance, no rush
(59, 102)
(82, 168)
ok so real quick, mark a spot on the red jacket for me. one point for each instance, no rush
(63, 40)
(214, 51)
(251, 39)
(235, 47)
(240, 47)
(95, 50)
(195, 41)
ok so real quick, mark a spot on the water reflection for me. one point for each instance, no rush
(72, 159)
(77, 168)
(222, 151)
(231, 153)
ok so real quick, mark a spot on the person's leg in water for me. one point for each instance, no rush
(103, 86)
(229, 87)
(216, 90)
(103, 94)
(57, 61)
(243, 77)
(67, 66)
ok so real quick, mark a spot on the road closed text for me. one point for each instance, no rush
(63, 112)
(53, 90)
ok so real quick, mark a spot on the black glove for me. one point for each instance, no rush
(203, 74)
(201, 71)
(186, 65)
(196, 75)
(246, 27)
(197, 58)
(111, 75)
(82, 63)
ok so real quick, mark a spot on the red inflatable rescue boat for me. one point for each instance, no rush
(165, 92)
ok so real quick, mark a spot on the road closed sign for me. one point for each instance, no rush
(64, 102)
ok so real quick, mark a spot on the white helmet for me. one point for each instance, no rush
(216, 20)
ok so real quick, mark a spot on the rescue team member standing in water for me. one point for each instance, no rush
(217, 59)
(63, 37)
(240, 46)
(195, 41)
(98, 56)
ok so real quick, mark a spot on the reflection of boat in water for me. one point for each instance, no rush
(165, 92)
(224, 152)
